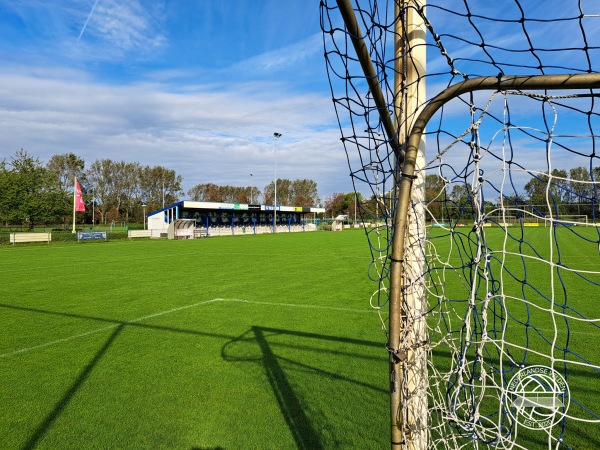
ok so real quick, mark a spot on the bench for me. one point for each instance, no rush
(139, 233)
(16, 238)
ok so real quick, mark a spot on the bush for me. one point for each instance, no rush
(116, 235)
(63, 236)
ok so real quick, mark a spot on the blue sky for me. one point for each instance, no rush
(200, 86)
(195, 86)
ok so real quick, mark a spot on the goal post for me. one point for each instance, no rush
(475, 316)
(568, 220)
(401, 287)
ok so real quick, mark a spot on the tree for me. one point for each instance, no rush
(170, 182)
(120, 188)
(435, 195)
(30, 193)
(292, 193)
(66, 167)
(284, 192)
(544, 188)
(99, 176)
(581, 189)
(210, 192)
(461, 199)
(7, 183)
(305, 193)
(336, 205)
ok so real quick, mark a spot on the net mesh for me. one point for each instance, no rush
(511, 249)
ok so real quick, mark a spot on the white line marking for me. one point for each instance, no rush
(99, 330)
(58, 341)
(293, 305)
(169, 311)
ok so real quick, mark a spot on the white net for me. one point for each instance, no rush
(507, 237)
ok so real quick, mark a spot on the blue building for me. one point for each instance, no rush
(193, 219)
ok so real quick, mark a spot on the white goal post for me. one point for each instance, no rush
(566, 220)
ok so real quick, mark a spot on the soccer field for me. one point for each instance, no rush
(249, 342)
(268, 341)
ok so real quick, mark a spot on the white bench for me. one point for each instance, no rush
(139, 233)
(16, 238)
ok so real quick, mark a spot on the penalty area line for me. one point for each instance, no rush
(106, 328)
(296, 305)
(170, 311)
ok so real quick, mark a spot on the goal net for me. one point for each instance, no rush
(472, 161)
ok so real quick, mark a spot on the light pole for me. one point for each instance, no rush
(251, 190)
(378, 136)
(375, 169)
(276, 136)
(144, 206)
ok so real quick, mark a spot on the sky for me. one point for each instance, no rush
(196, 86)
(201, 86)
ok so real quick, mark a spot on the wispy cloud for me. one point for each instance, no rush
(284, 58)
(162, 83)
(125, 26)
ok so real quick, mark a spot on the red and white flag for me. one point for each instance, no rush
(79, 205)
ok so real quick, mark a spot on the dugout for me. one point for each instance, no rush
(338, 223)
(181, 229)
(216, 219)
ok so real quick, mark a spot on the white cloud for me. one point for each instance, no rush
(204, 134)
(117, 28)
(284, 58)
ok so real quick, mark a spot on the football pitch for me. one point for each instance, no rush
(225, 343)
(254, 342)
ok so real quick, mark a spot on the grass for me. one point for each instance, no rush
(534, 318)
(247, 342)
(243, 342)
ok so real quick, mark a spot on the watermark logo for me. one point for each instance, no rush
(537, 397)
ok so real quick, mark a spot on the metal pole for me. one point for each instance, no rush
(277, 136)
(367, 65)
(74, 203)
(412, 161)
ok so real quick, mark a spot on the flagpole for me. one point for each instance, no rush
(74, 202)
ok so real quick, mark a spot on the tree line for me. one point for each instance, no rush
(289, 193)
(571, 193)
(560, 191)
(32, 192)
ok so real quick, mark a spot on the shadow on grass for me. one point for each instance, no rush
(207, 448)
(72, 390)
(66, 398)
(290, 405)
(288, 401)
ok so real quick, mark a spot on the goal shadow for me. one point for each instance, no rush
(274, 350)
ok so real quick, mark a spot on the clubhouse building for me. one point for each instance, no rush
(188, 219)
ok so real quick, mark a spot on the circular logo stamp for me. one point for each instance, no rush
(537, 397)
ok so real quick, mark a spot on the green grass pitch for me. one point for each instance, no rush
(254, 342)
(547, 309)
(225, 343)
